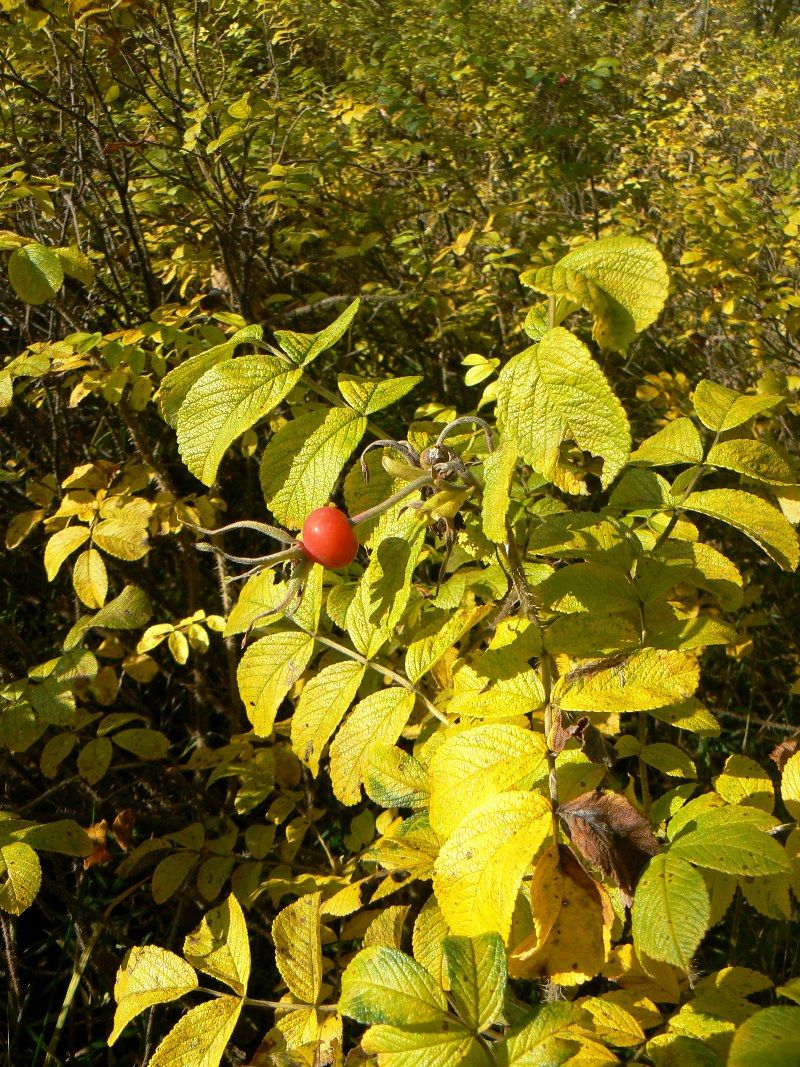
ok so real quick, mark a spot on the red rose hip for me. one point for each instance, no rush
(328, 538)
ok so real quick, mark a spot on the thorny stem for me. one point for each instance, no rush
(295, 552)
(246, 524)
(517, 572)
(390, 501)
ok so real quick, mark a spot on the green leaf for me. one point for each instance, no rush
(302, 348)
(176, 384)
(545, 1040)
(671, 911)
(733, 840)
(479, 869)
(220, 946)
(677, 442)
(201, 1036)
(227, 400)
(555, 392)
(754, 459)
(268, 670)
(477, 763)
(302, 462)
(770, 1038)
(368, 395)
(21, 875)
(721, 409)
(621, 281)
(476, 968)
(757, 519)
(35, 272)
(298, 951)
(384, 985)
(148, 975)
(322, 706)
(377, 719)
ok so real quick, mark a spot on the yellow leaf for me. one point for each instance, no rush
(61, 545)
(427, 651)
(201, 1036)
(220, 946)
(743, 781)
(572, 917)
(790, 786)
(148, 975)
(480, 867)
(23, 876)
(322, 705)
(477, 763)
(378, 719)
(298, 951)
(90, 579)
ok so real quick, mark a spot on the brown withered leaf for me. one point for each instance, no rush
(783, 752)
(593, 745)
(98, 832)
(611, 835)
(123, 828)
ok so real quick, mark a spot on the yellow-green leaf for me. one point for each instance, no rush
(384, 985)
(94, 759)
(302, 348)
(760, 521)
(61, 545)
(790, 786)
(743, 781)
(770, 1038)
(650, 678)
(754, 459)
(621, 281)
(677, 442)
(477, 763)
(721, 409)
(476, 969)
(555, 392)
(425, 653)
(90, 578)
(368, 395)
(148, 975)
(268, 670)
(498, 470)
(35, 273)
(733, 840)
(304, 459)
(227, 400)
(671, 911)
